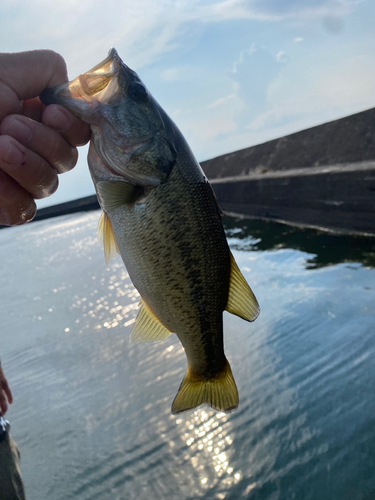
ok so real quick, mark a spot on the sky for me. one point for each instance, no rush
(230, 73)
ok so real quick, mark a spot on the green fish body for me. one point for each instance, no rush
(161, 215)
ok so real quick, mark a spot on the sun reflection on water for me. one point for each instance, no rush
(207, 434)
(105, 310)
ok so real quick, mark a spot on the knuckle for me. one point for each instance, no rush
(46, 181)
(69, 162)
(60, 154)
(52, 151)
(66, 161)
(6, 123)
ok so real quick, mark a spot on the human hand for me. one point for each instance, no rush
(5, 393)
(36, 143)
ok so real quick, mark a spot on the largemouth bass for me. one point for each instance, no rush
(161, 215)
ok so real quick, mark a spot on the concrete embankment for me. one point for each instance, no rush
(321, 177)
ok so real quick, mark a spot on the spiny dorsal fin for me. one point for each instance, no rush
(241, 300)
(107, 238)
(147, 327)
(115, 194)
(219, 392)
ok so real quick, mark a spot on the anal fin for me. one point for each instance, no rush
(147, 327)
(241, 300)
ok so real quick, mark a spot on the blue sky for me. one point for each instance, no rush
(231, 73)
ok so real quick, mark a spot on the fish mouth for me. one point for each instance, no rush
(86, 92)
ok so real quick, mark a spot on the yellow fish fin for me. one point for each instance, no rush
(219, 392)
(147, 327)
(107, 238)
(241, 300)
(115, 194)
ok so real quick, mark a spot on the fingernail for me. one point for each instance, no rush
(14, 155)
(28, 214)
(19, 130)
(60, 120)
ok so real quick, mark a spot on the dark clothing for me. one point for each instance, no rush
(11, 485)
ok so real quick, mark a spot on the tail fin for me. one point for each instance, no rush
(219, 392)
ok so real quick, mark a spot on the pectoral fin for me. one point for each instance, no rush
(107, 238)
(115, 194)
(241, 300)
(147, 327)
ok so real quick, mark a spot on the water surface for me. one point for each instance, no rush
(92, 412)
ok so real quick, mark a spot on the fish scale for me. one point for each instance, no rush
(189, 296)
(161, 215)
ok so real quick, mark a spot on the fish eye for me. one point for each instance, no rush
(137, 92)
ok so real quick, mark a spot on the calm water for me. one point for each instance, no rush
(92, 412)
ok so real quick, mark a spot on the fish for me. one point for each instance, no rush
(161, 215)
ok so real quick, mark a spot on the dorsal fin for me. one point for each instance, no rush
(147, 327)
(241, 300)
(107, 238)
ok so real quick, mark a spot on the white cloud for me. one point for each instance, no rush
(318, 95)
(282, 57)
(220, 101)
(253, 73)
(142, 31)
(301, 9)
(298, 39)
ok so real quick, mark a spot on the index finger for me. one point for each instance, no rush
(29, 73)
(25, 75)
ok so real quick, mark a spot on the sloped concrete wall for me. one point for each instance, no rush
(348, 140)
(322, 177)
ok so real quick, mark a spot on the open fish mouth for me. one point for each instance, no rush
(95, 81)
(88, 90)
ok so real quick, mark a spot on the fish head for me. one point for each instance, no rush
(131, 134)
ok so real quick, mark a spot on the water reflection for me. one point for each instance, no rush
(328, 248)
(208, 436)
(100, 407)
